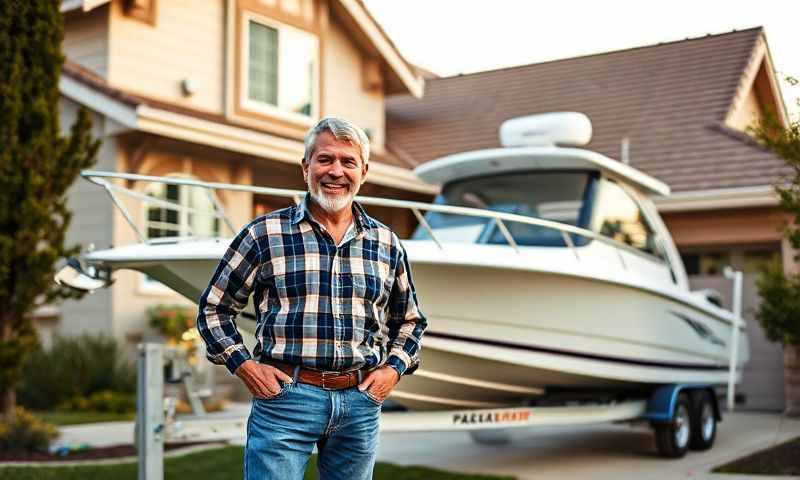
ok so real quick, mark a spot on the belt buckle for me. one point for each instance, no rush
(326, 375)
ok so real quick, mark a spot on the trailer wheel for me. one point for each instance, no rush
(703, 421)
(672, 438)
(498, 436)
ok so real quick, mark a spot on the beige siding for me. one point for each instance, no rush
(86, 39)
(343, 94)
(91, 217)
(185, 42)
(748, 114)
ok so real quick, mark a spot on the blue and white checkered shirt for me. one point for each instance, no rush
(319, 305)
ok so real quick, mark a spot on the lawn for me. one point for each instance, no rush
(224, 463)
(781, 459)
(77, 418)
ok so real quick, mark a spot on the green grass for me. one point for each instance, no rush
(77, 418)
(223, 463)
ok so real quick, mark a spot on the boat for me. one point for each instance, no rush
(544, 270)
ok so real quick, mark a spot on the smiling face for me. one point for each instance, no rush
(334, 173)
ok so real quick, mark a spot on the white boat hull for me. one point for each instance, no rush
(503, 336)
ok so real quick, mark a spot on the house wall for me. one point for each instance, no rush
(186, 40)
(724, 227)
(86, 39)
(92, 215)
(748, 114)
(345, 95)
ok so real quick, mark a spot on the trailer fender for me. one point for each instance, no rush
(661, 404)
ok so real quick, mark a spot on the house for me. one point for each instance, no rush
(215, 90)
(205, 89)
(678, 111)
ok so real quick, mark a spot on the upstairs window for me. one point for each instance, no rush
(281, 69)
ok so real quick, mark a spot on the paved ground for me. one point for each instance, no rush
(596, 452)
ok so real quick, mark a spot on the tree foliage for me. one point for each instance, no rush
(37, 166)
(779, 311)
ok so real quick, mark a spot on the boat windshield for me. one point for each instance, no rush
(558, 196)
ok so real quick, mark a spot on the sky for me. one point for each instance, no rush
(449, 37)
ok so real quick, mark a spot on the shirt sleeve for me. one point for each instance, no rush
(226, 296)
(405, 320)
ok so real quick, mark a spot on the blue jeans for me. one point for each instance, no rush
(282, 432)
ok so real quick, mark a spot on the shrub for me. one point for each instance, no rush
(102, 401)
(23, 431)
(779, 311)
(172, 320)
(75, 367)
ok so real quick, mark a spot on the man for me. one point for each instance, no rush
(338, 322)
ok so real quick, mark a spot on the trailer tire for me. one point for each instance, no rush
(498, 436)
(704, 421)
(672, 438)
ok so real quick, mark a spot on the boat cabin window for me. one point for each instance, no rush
(619, 217)
(557, 196)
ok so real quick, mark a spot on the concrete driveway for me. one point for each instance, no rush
(596, 452)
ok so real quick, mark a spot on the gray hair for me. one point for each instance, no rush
(342, 130)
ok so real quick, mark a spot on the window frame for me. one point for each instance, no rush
(264, 108)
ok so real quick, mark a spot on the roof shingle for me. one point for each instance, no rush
(668, 99)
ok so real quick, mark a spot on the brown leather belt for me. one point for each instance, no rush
(325, 379)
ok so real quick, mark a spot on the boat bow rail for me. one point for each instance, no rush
(106, 180)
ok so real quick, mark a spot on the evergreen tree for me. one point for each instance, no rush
(37, 166)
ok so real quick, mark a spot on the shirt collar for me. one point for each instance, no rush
(361, 219)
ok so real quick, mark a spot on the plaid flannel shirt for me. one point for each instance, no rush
(317, 304)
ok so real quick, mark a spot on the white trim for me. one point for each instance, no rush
(263, 145)
(121, 113)
(719, 198)
(413, 83)
(244, 74)
(85, 5)
(185, 127)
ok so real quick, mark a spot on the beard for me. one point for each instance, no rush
(331, 203)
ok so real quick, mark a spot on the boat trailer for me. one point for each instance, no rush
(683, 416)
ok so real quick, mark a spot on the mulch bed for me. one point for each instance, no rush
(783, 459)
(94, 453)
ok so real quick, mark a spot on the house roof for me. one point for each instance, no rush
(137, 112)
(669, 100)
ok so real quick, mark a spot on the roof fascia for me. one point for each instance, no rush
(191, 129)
(759, 57)
(122, 113)
(205, 132)
(366, 23)
(718, 199)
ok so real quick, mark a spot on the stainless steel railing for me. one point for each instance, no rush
(103, 179)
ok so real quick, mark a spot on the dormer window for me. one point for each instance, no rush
(280, 69)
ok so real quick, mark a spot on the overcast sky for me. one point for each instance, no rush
(462, 36)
